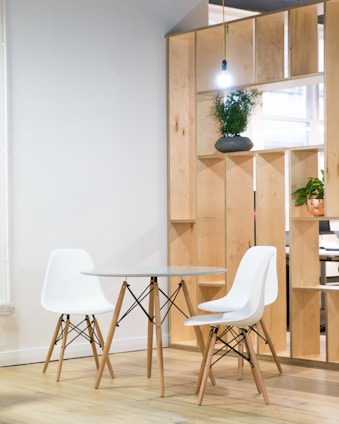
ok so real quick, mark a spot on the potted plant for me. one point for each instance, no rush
(232, 114)
(312, 194)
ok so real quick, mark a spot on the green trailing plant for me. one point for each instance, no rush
(233, 111)
(314, 188)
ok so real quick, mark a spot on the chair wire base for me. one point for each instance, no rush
(88, 328)
(233, 339)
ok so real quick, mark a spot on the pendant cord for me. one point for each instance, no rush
(224, 29)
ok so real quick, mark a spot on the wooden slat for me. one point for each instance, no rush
(240, 51)
(332, 106)
(239, 211)
(269, 42)
(211, 214)
(303, 40)
(181, 105)
(207, 127)
(182, 251)
(305, 324)
(332, 324)
(209, 57)
(270, 190)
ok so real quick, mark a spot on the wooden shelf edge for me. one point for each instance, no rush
(289, 82)
(321, 288)
(282, 149)
(212, 284)
(182, 221)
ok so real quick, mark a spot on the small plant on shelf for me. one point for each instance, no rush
(232, 114)
(234, 111)
(312, 194)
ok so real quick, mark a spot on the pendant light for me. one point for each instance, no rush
(224, 78)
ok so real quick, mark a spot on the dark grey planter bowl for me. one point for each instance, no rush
(235, 143)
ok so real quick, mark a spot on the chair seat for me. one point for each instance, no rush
(223, 305)
(84, 308)
(237, 318)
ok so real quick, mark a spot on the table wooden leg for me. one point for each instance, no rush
(110, 334)
(197, 329)
(158, 333)
(150, 329)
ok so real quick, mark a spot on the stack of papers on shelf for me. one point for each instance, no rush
(328, 242)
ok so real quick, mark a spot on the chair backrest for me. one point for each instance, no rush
(261, 258)
(272, 285)
(64, 285)
(258, 259)
(238, 295)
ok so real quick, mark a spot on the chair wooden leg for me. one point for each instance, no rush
(255, 366)
(158, 333)
(53, 342)
(102, 343)
(240, 360)
(206, 365)
(62, 348)
(269, 341)
(110, 334)
(203, 363)
(197, 329)
(93, 345)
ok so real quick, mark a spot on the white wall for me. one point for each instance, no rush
(87, 149)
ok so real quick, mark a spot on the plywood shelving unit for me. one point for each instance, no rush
(211, 195)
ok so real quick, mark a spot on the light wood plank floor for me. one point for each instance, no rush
(300, 395)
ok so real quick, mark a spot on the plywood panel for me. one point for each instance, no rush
(303, 40)
(270, 230)
(207, 127)
(332, 107)
(179, 333)
(182, 244)
(269, 42)
(304, 272)
(239, 210)
(181, 127)
(182, 251)
(240, 51)
(209, 57)
(304, 253)
(305, 324)
(332, 326)
(211, 214)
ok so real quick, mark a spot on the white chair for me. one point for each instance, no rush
(68, 292)
(237, 297)
(238, 322)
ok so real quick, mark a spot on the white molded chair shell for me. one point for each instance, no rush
(257, 260)
(67, 291)
(238, 295)
(254, 271)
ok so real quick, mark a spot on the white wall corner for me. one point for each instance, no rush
(196, 18)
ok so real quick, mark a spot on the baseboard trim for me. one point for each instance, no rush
(74, 350)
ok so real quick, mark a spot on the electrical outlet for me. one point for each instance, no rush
(7, 308)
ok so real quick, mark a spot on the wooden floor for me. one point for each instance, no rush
(299, 395)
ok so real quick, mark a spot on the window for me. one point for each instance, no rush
(293, 117)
